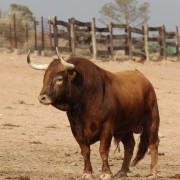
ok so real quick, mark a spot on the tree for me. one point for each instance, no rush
(21, 11)
(128, 12)
(22, 17)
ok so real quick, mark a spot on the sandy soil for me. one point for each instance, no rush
(36, 141)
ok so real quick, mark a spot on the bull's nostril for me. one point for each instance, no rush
(44, 99)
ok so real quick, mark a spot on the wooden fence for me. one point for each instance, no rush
(109, 40)
(85, 38)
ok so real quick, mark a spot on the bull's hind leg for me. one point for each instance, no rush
(154, 160)
(129, 143)
(154, 142)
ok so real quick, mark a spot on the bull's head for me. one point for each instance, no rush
(57, 79)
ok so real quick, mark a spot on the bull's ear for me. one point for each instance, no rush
(71, 74)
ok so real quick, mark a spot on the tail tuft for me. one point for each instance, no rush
(143, 147)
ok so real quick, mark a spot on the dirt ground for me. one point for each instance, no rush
(36, 141)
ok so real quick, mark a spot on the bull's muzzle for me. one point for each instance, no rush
(44, 99)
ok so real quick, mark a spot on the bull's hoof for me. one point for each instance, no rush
(106, 176)
(87, 176)
(151, 176)
(120, 174)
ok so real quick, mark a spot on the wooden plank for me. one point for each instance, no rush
(84, 34)
(170, 34)
(170, 37)
(79, 23)
(154, 28)
(83, 46)
(120, 26)
(171, 44)
(154, 39)
(140, 47)
(103, 52)
(137, 30)
(138, 53)
(63, 23)
(82, 29)
(102, 40)
(100, 36)
(119, 36)
(136, 41)
(120, 47)
(102, 29)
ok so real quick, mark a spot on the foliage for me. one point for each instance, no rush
(128, 12)
(17, 15)
(21, 11)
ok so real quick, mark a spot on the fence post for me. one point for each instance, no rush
(42, 30)
(10, 35)
(146, 35)
(35, 35)
(15, 35)
(177, 42)
(163, 42)
(93, 27)
(50, 32)
(111, 41)
(27, 33)
(55, 29)
(72, 34)
(129, 42)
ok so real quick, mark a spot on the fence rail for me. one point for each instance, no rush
(77, 37)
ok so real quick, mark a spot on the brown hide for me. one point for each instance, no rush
(95, 96)
(101, 104)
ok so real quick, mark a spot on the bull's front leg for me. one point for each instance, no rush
(105, 142)
(85, 151)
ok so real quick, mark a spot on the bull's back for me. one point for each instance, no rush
(133, 91)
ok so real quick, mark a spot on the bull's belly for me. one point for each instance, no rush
(91, 138)
(127, 128)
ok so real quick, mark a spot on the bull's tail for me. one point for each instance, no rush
(143, 146)
(116, 143)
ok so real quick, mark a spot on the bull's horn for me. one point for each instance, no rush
(36, 66)
(69, 66)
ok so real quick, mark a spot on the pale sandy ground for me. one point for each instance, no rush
(36, 141)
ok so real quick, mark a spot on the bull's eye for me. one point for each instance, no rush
(59, 80)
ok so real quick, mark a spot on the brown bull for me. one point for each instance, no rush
(101, 105)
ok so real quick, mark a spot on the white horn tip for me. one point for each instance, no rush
(67, 65)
